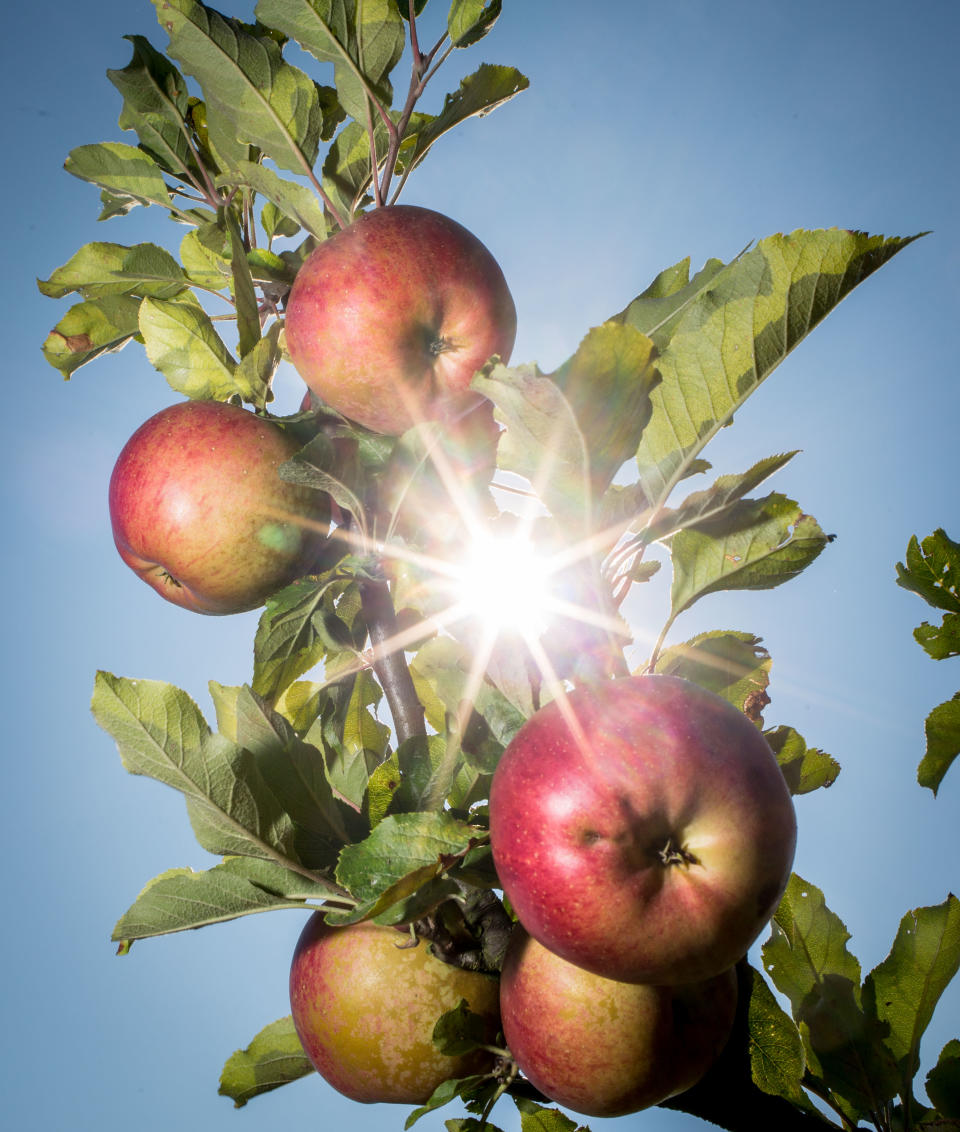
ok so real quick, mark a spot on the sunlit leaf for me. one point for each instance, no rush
(99, 269)
(932, 570)
(731, 664)
(182, 342)
(777, 1060)
(942, 729)
(161, 733)
(805, 768)
(722, 334)
(156, 105)
(252, 95)
(181, 899)
(125, 171)
(294, 200)
(275, 1057)
(470, 20)
(87, 330)
(363, 41)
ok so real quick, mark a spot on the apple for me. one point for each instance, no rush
(388, 320)
(602, 1047)
(200, 513)
(642, 829)
(365, 1000)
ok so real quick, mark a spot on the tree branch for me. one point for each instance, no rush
(389, 663)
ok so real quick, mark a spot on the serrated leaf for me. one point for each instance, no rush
(125, 171)
(296, 201)
(99, 269)
(252, 95)
(777, 1060)
(296, 774)
(536, 1117)
(443, 1094)
(181, 899)
(543, 442)
(608, 383)
(87, 330)
(205, 254)
(363, 41)
(757, 544)
(716, 501)
(160, 732)
(459, 1031)
(942, 729)
(943, 1081)
(361, 741)
(275, 1057)
(807, 942)
(904, 989)
(725, 332)
(731, 664)
(182, 342)
(805, 768)
(156, 105)
(932, 570)
(403, 853)
(487, 88)
(469, 20)
(347, 168)
(940, 641)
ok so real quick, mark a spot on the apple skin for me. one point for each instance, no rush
(579, 830)
(606, 1048)
(194, 503)
(364, 1005)
(389, 319)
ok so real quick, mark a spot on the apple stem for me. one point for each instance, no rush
(390, 666)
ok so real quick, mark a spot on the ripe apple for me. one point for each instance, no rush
(200, 513)
(389, 320)
(605, 1048)
(365, 1002)
(641, 828)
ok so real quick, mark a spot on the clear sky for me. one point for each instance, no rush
(650, 132)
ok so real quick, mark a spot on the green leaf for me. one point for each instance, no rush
(805, 768)
(536, 1117)
(943, 1081)
(244, 292)
(156, 105)
(296, 774)
(608, 382)
(252, 95)
(443, 1094)
(807, 942)
(205, 253)
(87, 330)
(777, 1060)
(716, 502)
(181, 899)
(275, 1057)
(295, 201)
(733, 665)
(361, 740)
(932, 570)
(460, 1031)
(161, 733)
(942, 729)
(182, 343)
(470, 20)
(363, 41)
(255, 373)
(940, 641)
(487, 88)
(543, 442)
(403, 853)
(100, 269)
(721, 335)
(756, 545)
(347, 169)
(125, 171)
(291, 637)
(904, 989)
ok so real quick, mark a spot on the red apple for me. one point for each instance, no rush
(201, 514)
(641, 828)
(365, 1002)
(389, 320)
(605, 1048)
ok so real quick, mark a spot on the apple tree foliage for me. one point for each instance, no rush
(308, 797)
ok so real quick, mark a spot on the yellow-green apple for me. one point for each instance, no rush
(200, 512)
(641, 828)
(365, 1000)
(605, 1048)
(389, 319)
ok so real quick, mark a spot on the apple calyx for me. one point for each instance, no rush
(670, 853)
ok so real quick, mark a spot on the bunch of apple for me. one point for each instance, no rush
(387, 323)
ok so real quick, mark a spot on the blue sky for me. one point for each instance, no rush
(649, 133)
